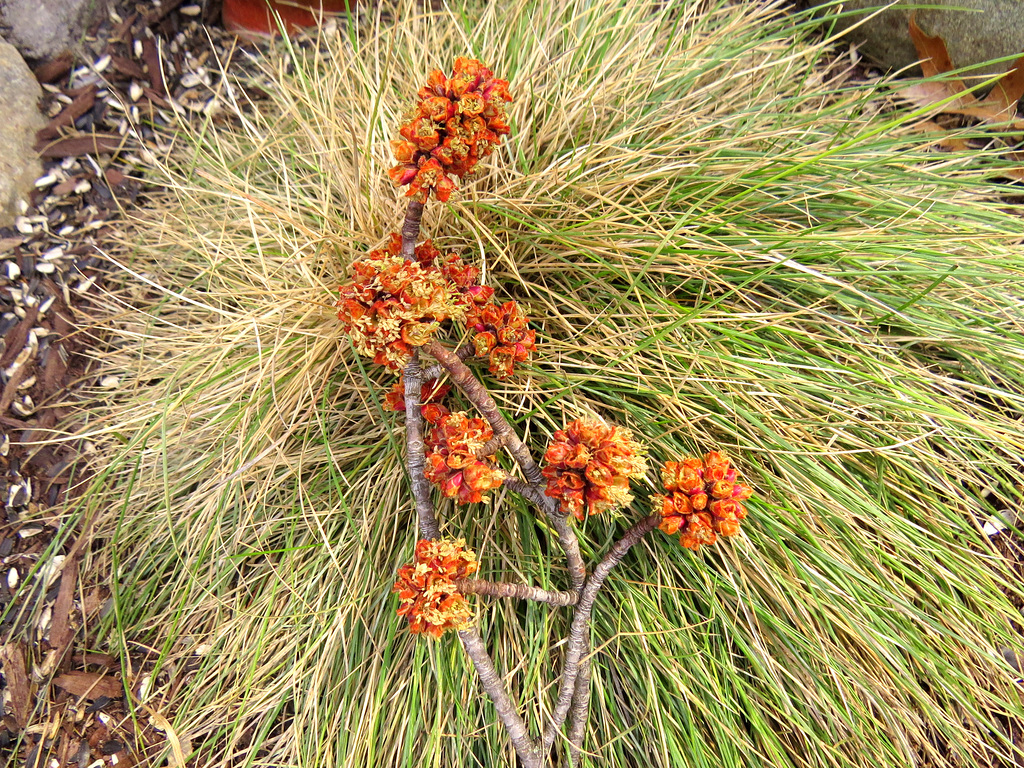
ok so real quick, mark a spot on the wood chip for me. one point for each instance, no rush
(12, 655)
(67, 116)
(91, 685)
(10, 243)
(88, 144)
(128, 67)
(17, 337)
(54, 69)
(160, 11)
(151, 56)
(61, 630)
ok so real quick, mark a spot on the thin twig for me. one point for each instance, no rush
(490, 681)
(566, 534)
(577, 640)
(519, 591)
(415, 461)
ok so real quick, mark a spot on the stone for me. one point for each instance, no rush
(42, 29)
(19, 105)
(975, 31)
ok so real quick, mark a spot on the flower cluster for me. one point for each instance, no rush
(588, 467)
(500, 334)
(452, 461)
(393, 304)
(702, 501)
(432, 391)
(426, 587)
(457, 121)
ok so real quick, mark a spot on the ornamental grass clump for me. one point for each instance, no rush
(405, 304)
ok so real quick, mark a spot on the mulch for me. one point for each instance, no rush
(142, 70)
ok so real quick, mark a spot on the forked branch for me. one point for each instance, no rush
(399, 298)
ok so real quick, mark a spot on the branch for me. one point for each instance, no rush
(489, 448)
(566, 534)
(580, 709)
(490, 681)
(464, 352)
(577, 640)
(520, 591)
(411, 229)
(415, 461)
(478, 395)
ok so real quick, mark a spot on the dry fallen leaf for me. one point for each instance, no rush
(62, 629)
(1010, 90)
(999, 107)
(949, 143)
(12, 658)
(92, 685)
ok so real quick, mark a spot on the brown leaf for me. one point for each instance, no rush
(91, 685)
(12, 656)
(935, 61)
(931, 50)
(1009, 90)
(61, 630)
(932, 94)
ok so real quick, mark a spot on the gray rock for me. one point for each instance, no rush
(19, 108)
(41, 29)
(974, 31)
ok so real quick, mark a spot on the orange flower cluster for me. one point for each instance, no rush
(500, 334)
(457, 121)
(392, 304)
(452, 463)
(703, 500)
(462, 277)
(589, 465)
(426, 587)
(431, 392)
